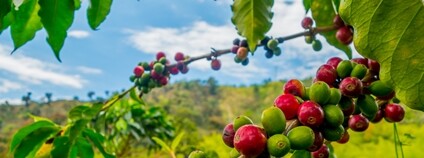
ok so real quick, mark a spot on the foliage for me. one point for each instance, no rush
(391, 32)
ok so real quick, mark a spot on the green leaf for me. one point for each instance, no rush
(301, 154)
(34, 140)
(252, 19)
(76, 128)
(97, 139)
(61, 147)
(323, 14)
(27, 130)
(134, 96)
(56, 21)
(5, 7)
(27, 23)
(162, 144)
(78, 113)
(391, 32)
(177, 141)
(97, 12)
(336, 4)
(77, 4)
(85, 150)
(307, 5)
(38, 118)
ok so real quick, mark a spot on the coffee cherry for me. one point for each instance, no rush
(335, 96)
(320, 92)
(367, 105)
(310, 114)
(245, 62)
(326, 73)
(295, 87)
(359, 71)
(181, 65)
(338, 21)
(234, 49)
(243, 43)
(159, 68)
(318, 141)
(242, 53)
(273, 121)
(184, 70)
(237, 59)
(250, 140)
(309, 39)
(358, 123)
(272, 44)
(269, 54)
(373, 65)
(197, 154)
(378, 116)
(345, 138)
(179, 56)
(394, 112)
(236, 41)
(288, 104)
(316, 45)
(160, 55)
(333, 115)
(277, 51)
(163, 80)
(351, 87)
(323, 152)
(163, 61)
(228, 135)
(241, 121)
(379, 89)
(173, 70)
(344, 35)
(278, 145)
(301, 137)
(333, 133)
(155, 75)
(216, 64)
(363, 61)
(344, 68)
(307, 22)
(138, 71)
(334, 61)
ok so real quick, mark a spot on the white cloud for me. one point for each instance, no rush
(197, 39)
(89, 70)
(35, 71)
(7, 85)
(78, 34)
(11, 101)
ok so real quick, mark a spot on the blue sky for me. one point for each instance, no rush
(134, 31)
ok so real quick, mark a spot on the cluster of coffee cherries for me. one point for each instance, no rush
(344, 32)
(346, 94)
(157, 73)
(241, 49)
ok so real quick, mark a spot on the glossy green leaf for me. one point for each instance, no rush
(5, 7)
(98, 140)
(176, 141)
(307, 5)
(34, 140)
(78, 112)
(77, 4)
(61, 147)
(76, 128)
(252, 19)
(56, 21)
(134, 96)
(162, 144)
(323, 14)
(85, 150)
(25, 131)
(27, 23)
(301, 154)
(391, 32)
(97, 12)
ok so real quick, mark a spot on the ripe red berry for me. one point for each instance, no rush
(358, 123)
(250, 140)
(138, 71)
(318, 141)
(373, 66)
(288, 104)
(173, 70)
(179, 56)
(351, 87)
(345, 138)
(160, 55)
(155, 75)
(310, 114)
(344, 35)
(181, 65)
(363, 61)
(326, 73)
(307, 22)
(394, 112)
(234, 49)
(338, 21)
(184, 70)
(295, 87)
(334, 61)
(378, 117)
(323, 152)
(216, 64)
(228, 135)
(163, 80)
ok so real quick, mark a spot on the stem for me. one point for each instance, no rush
(113, 100)
(216, 53)
(394, 136)
(397, 140)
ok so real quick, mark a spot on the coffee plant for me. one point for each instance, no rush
(345, 96)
